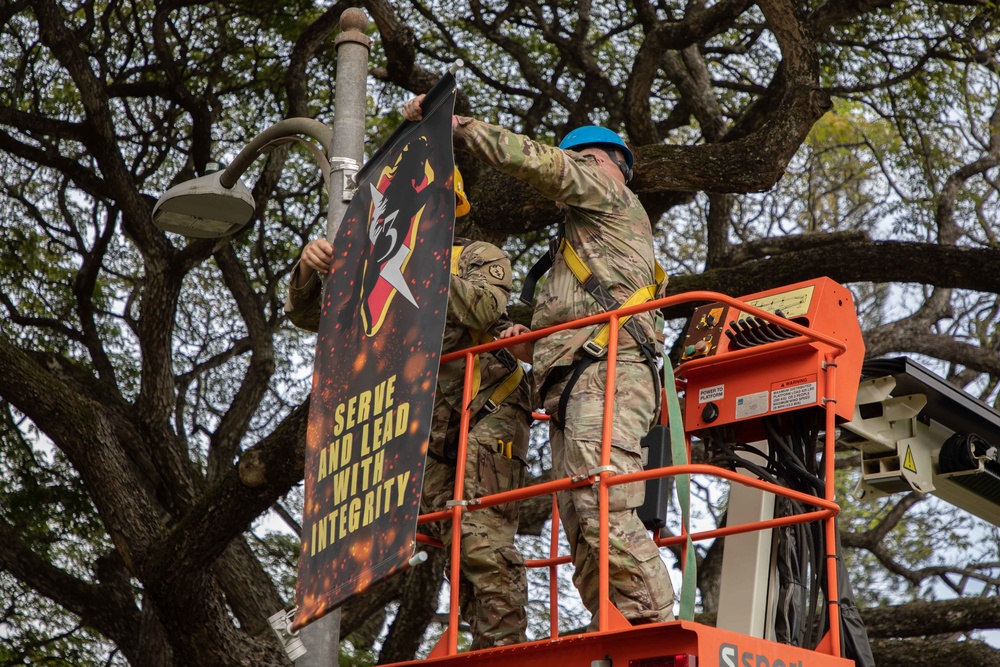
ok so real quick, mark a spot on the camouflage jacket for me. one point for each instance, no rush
(604, 222)
(477, 307)
(303, 304)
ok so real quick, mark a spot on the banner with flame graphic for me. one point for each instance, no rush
(377, 355)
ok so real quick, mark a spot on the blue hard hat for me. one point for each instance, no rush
(594, 135)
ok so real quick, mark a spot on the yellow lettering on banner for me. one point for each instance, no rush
(361, 492)
(388, 494)
(402, 418)
(350, 411)
(358, 512)
(321, 536)
(346, 446)
(379, 397)
(368, 471)
(355, 520)
(377, 433)
(364, 405)
(391, 425)
(341, 484)
(336, 455)
(369, 515)
(366, 465)
(387, 432)
(401, 486)
(365, 450)
(338, 420)
(359, 408)
(379, 463)
(390, 386)
(342, 525)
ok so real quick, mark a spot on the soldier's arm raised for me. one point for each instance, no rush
(547, 169)
(550, 170)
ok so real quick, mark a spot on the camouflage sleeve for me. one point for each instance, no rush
(550, 170)
(303, 303)
(481, 290)
(503, 322)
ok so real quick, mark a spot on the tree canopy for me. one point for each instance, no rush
(153, 399)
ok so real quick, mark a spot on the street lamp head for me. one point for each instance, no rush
(204, 208)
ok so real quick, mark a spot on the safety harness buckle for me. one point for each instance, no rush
(595, 350)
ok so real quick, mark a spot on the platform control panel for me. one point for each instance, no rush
(726, 384)
(714, 322)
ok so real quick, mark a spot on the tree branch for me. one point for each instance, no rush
(854, 261)
(265, 473)
(226, 439)
(920, 619)
(102, 607)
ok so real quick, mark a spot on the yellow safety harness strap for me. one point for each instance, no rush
(573, 261)
(503, 390)
(598, 344)
(456, 258)
(544, 263)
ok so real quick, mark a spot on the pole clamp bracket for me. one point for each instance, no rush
(348, 168)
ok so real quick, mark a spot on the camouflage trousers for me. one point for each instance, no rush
(493, 589)
(640, 586)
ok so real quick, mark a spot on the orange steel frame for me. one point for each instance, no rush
(612, 625)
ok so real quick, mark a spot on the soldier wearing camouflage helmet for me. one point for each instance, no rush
(608, 234)
(493, 590)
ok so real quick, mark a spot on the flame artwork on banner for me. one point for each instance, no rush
(377, 354)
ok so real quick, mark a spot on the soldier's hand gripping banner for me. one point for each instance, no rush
(377, 356)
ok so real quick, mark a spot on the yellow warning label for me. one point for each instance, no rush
(908, 463)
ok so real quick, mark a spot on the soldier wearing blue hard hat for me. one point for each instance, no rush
(603, 257)
(601, 137)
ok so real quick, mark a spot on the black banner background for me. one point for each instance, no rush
(377, 355)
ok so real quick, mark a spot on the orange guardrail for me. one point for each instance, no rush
(825, 508)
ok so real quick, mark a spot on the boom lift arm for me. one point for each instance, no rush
(917, 431)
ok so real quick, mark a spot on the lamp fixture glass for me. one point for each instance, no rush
(204, 208)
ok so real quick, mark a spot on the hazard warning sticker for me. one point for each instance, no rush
(908, 462)
(793, 393)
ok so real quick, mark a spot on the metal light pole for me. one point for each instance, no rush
(349, 108)
(219, 204)
(322, 637)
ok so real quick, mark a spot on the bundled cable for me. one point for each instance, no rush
(795, 460)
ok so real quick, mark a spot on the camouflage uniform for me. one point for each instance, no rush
(493, 590)
(610, 231)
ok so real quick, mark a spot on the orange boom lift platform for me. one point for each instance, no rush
(749, 365)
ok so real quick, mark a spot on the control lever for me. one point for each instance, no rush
(764, 330)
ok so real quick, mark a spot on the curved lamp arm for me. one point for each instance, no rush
(219, 204)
